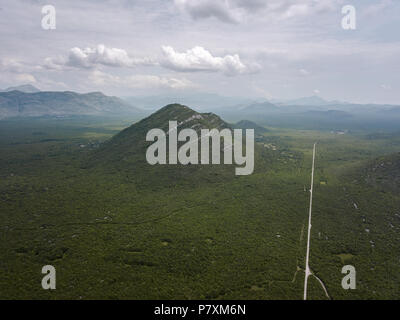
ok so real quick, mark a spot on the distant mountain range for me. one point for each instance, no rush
(197, 100)
(308, 112)
(259, 107)
(316, 113)
(43, 103)
(202, 101)
(27, 88)
(309, 101)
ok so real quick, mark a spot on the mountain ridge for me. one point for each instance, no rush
(61, 103)
(125, 153)
(27, 88)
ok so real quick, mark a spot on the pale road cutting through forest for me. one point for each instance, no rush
(307, 271)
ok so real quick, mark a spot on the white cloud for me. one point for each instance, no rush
(199, 59)
(138, 81)
(93, 57)
(100, 55)
(386, 86)
(196, 59)
(17, 78)
(54, 63)
(25, 78)
(11, 65)
(291, 9)
(304, 72)
(16, 71)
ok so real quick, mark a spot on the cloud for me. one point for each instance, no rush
(25, 78)
(376, 8)
(17, 78)
(199, 59)
(54, 63)
(193, 60)
(89, 57)
(100, 78)
(200, 9)
(235, 11)
(92, 57)
(16, 71)
(11, 65)
(250, 5)
(386, 86)
(304, 72)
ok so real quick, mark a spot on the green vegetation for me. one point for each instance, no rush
(117, 228)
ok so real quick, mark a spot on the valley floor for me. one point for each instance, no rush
(110, 237)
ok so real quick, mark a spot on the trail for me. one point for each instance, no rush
(307, 271)
(117, 223)
(322, 285)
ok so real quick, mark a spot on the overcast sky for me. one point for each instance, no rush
(277, 49)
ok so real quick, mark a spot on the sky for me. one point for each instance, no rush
(272, 49)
